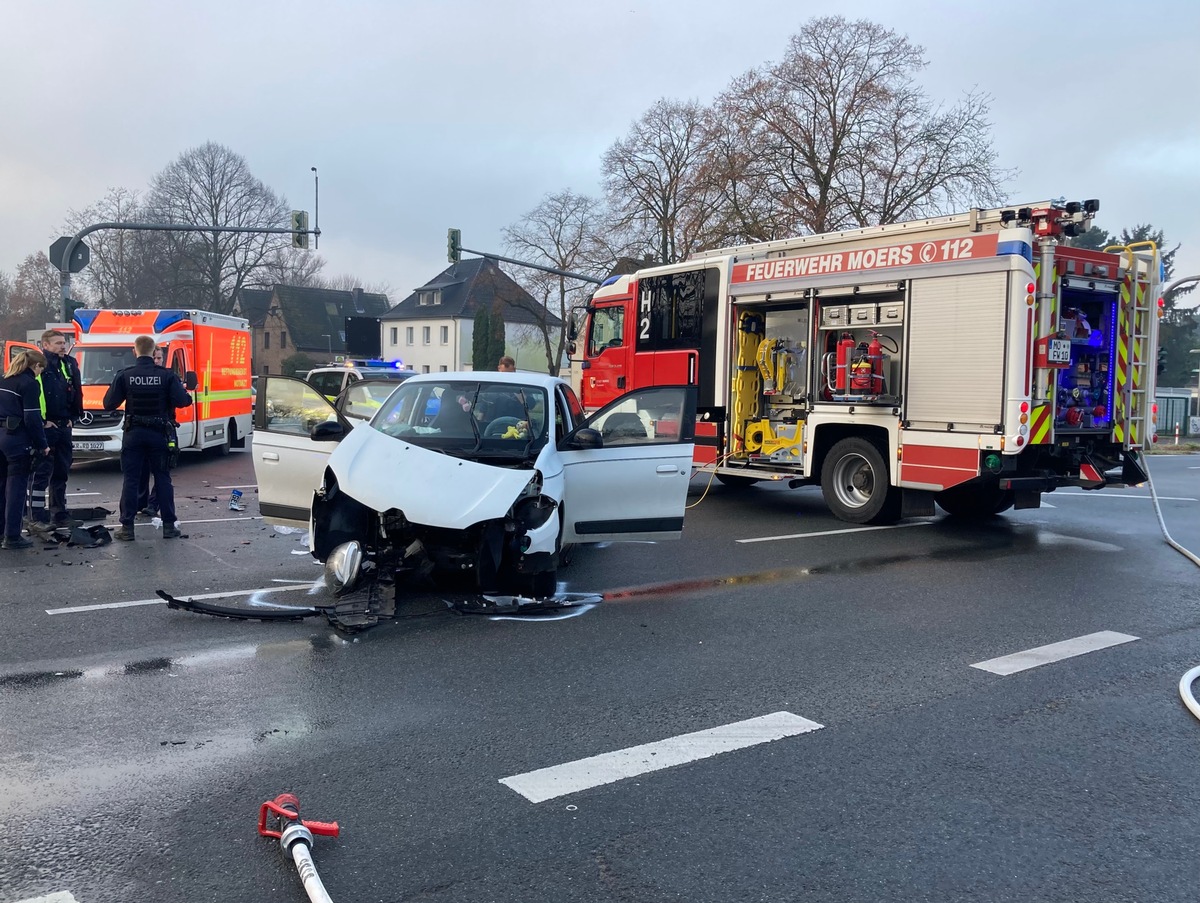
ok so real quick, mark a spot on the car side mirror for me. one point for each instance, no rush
(190, 381)
(328, 431)
(587, 438)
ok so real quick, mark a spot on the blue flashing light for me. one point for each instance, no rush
(609, 281)
(85, 317)
(167, 318)
(1018, 248)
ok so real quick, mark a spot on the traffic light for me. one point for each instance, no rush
(300, 229)
(72, 306)
(454, 245)
(1162, 360)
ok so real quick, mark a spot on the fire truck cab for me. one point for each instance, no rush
(971, 360)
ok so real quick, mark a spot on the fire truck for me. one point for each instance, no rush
(214, 348)
(974, 361)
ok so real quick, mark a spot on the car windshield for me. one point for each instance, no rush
(99, 365)
(469, 418)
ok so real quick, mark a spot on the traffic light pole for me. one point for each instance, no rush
(534, 266)
(65, 272)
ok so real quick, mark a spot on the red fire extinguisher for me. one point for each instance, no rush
(875, 356)
(845, 350)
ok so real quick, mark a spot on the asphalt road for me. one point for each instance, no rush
(138, 743)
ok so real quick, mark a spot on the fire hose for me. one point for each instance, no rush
(280, 818)
(1185, 683)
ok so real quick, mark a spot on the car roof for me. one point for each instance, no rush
(383, 372)
(493, 377)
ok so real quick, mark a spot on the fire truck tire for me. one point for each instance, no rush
(975, 502)
(735, 482)
(854, 482)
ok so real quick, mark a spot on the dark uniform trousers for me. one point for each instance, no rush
(15, 464)
(144, 446)
(50, 477)
(150, 393)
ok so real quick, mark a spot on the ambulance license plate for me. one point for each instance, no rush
(88, 446)
(1059, 351)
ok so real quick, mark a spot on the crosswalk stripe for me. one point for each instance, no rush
(594, 771)
(1054, 652)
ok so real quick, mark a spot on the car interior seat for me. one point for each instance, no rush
(623, 426)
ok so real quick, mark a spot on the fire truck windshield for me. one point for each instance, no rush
(98, 365)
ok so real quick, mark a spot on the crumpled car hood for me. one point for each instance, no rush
(429, 487)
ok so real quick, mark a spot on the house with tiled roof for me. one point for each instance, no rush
(287, 320)
(432, 329)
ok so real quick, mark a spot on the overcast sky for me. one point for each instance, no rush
(425, 115)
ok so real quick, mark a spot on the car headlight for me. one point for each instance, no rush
(534, 512)
(343, 567)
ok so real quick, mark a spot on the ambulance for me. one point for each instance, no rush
(213, 347)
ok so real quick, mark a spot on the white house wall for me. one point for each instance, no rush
(456, 352)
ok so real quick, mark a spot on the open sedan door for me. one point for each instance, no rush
(288, 464)
(626, 468)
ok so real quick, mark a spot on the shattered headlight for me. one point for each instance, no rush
(343, 567)
(533, 513)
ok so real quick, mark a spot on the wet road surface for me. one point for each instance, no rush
(139, 742)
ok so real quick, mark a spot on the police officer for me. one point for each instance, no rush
(21, 434)
(150, 394)
(62, 395)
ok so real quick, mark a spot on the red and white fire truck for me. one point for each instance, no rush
(972, 360)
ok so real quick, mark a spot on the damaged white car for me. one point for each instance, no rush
(478, 478)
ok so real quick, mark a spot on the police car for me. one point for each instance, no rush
(331, 381)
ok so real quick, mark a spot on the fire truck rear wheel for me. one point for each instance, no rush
(855, 484)
(975, 501)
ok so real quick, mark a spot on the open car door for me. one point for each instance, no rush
(626, 467)
(296, 428)
(12, 348)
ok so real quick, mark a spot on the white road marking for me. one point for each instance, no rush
(133, 603)
(1054, 652)
(61, 897)
(238, 486)
(1116, 495)
(215, 520)
(832, 532)
(583, 774)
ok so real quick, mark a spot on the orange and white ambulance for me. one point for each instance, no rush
(215, 347)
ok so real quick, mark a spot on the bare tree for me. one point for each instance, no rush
(288, 266)
(564, 232)
(925, 161)
(211, 185)
(35, 298)
(653, 183)
(121, 272)
(348, 283)
(838, 135)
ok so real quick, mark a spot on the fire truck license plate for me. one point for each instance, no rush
(89, 446)
(1059, 351)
